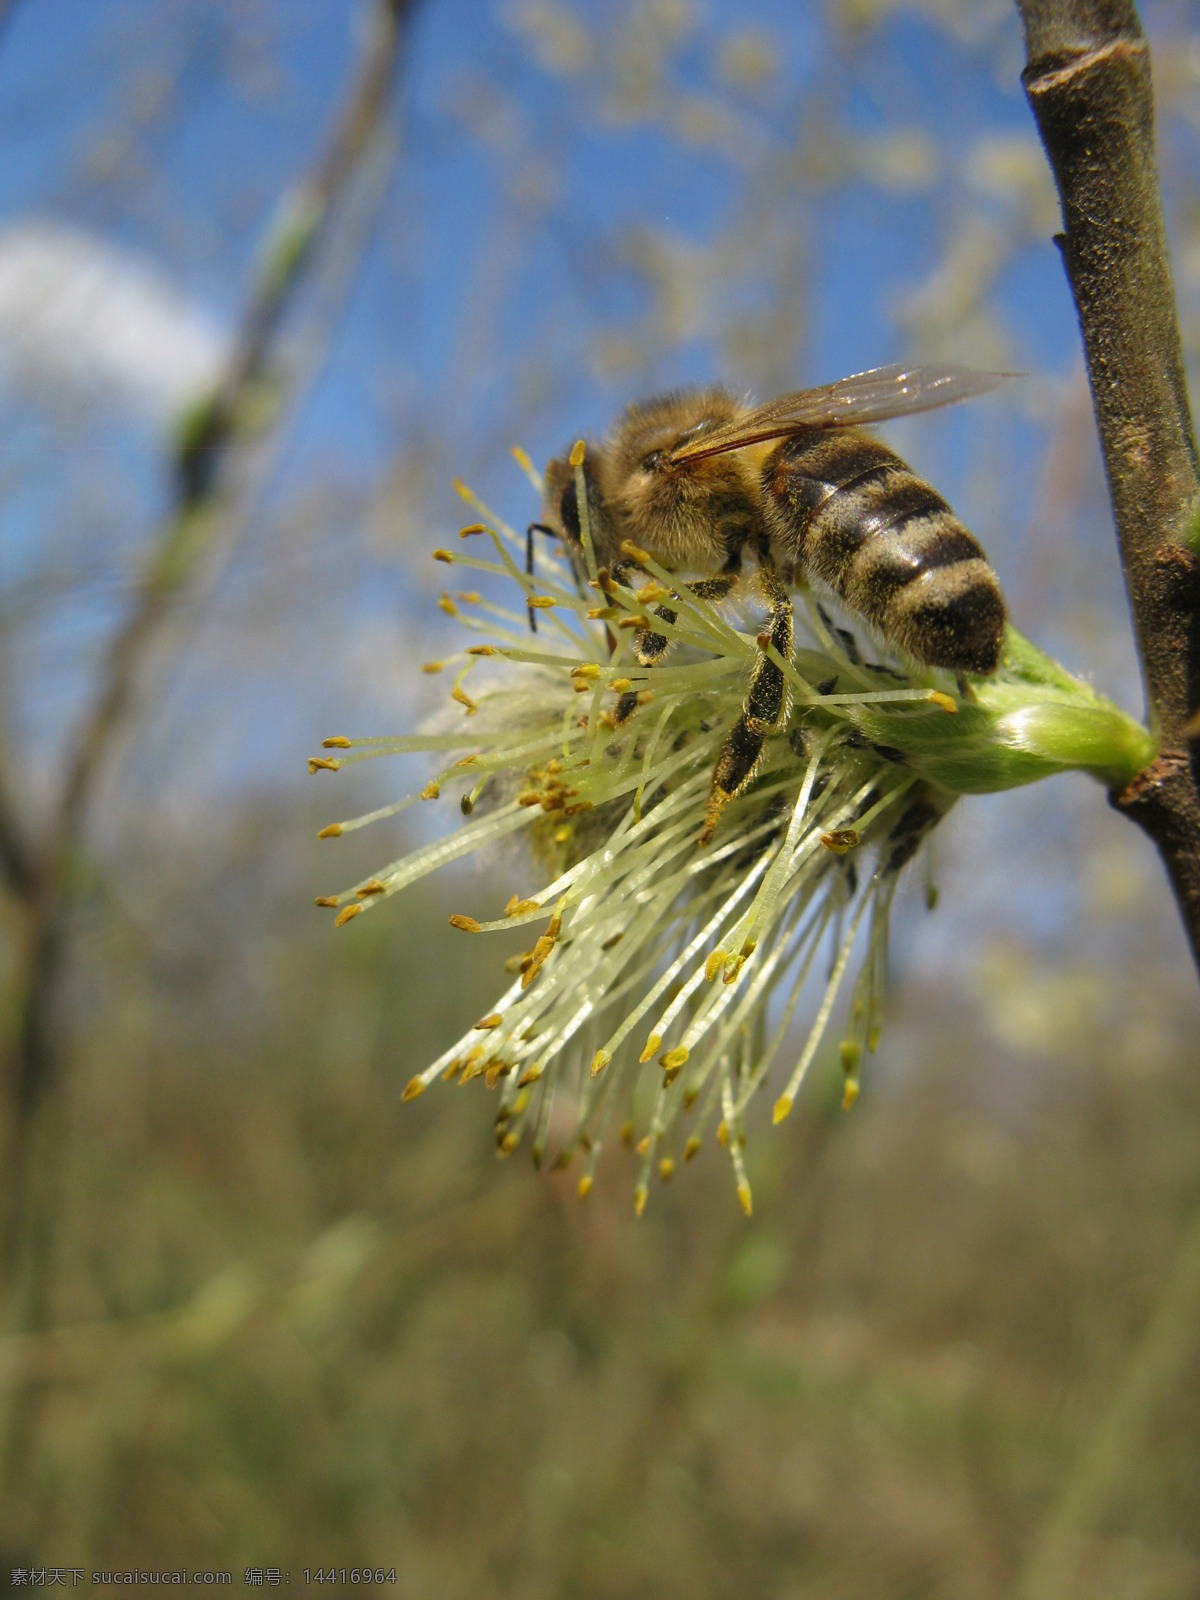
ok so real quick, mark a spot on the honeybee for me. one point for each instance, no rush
(703, 480)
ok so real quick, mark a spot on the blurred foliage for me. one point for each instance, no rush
(291, 1322)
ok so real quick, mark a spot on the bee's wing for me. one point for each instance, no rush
(873, 396)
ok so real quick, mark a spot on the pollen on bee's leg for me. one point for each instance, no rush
(736, 766)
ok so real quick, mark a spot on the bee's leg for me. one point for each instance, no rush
(764, 710)
(626, 705)
(715, 588)
(534, 527)
(650, 648)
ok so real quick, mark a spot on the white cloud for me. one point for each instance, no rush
(94, 318)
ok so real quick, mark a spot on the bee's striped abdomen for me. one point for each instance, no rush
(844, 509)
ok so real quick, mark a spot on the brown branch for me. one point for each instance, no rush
(1088, 81)
(18, 870)
(184, 539)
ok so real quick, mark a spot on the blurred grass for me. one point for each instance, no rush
(295, 1323)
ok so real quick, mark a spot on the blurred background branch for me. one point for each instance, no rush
(186, 539)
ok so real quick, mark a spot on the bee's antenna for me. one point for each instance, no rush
(534, 527)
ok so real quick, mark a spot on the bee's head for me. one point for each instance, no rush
(675, 509)
(562, 513)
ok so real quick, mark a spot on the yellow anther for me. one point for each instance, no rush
(521, 458)
(461, 489)
(748, 949)
(467, 924)
(541, 602)
(492, 1021)
(732, 968)
(581, 685)
(691, 1148)
(561, 835)
(840, 840)
(531, 797)
(643, 1145)
(585, 1186)
(599, 1061)
(849, 1093)
(639, 1199)
(850, 1053)
(323, 764)
(636, 621)
(336, 741)
(626, 1133)
(634, 553)
(412, 1089)
(782, 1106)
(444, 555)
(325, 900)
(482, 650)
(747, 1199)
(666, 1169)
(577, 453)
(722, 1133)
(447, 605)
(471, 529)
(469, 597)
(586, 669)
(652, 1047)
(509, 1143)
(371, 887)
(432, 666)
(530, 1075)
(463, 699)
(466, 761)
(345, 914)
(620, 686)
(674, 1059)
(714, 964)
(431, 790)
(601, 613)
(645, 696)
(942, 701)
(333, 831)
